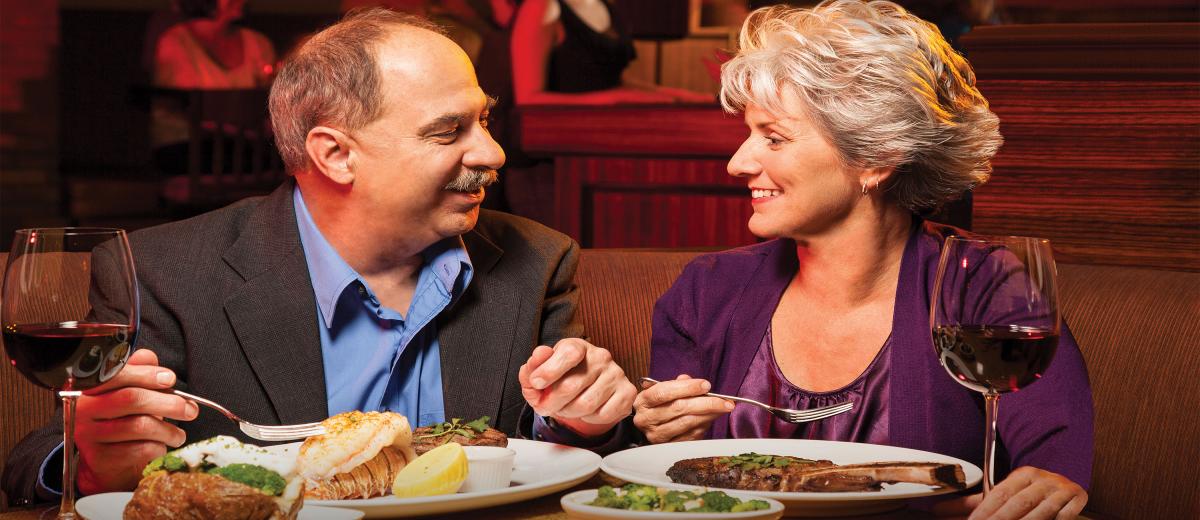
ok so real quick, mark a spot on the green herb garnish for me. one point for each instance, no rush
(252, 475)
(752, 461)
(169, 463)
(456, 427)
(636, 497)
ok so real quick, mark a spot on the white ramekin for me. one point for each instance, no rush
(490, 468)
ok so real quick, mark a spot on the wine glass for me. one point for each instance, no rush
(64, 328)
(995, 319)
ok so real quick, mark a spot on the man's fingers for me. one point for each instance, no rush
(137, 401)
(567, 354)
(566, 389)
(595, 395)
(136, 428)
(536, 358)
(138, 375)
(668, 391)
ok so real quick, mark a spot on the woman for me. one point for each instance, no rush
(861, 118)
(572, 52)
(206, 51)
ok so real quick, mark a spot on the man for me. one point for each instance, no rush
(373, 281)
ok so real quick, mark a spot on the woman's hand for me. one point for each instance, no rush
(1027, 493)
(677, 410)
(121, 425)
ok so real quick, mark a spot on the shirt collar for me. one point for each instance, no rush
(331, 275)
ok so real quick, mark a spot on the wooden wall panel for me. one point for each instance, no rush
(625, 202)
(1108, 170)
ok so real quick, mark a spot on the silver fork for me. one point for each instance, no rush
(787, 414)
(289, 432)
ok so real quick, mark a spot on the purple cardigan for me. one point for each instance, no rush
(710, 323)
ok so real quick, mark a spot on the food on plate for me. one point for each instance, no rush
(358, 456)
(755, 472)
(218, 478)
(440, 471)
(474, 433)
(649, 498)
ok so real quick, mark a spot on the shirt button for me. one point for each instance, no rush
(362, 291)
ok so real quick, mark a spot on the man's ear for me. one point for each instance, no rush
(329, 150)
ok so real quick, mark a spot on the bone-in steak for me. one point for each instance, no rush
(756, 472)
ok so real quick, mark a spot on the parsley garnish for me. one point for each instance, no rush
(752, 461)
(456, 426)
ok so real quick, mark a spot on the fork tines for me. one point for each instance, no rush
(282, 433)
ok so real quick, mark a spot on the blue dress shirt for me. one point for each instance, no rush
(376, 358)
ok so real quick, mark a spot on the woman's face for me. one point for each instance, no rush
(798, 185)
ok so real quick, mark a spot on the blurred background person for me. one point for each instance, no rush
(206, 51)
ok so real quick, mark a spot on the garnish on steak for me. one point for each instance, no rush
(474, 433)
(755, 472)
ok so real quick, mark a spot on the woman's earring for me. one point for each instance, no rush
(864, 189)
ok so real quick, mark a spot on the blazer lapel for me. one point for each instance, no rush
(749, 322)
(476, 337)
(274, 313)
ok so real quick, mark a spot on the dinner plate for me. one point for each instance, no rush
(575, 504)
(110, 506)
(539, 469)
(649, 464)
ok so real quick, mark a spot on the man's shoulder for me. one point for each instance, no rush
(203, 235)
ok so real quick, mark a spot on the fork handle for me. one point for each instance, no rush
(721, 396)
(207, 403)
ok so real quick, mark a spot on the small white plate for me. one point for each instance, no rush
(649, 465)
(575, 504)
(111, 506)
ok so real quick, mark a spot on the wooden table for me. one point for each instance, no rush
(545, 508)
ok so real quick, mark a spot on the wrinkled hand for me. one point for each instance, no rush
(577, 384)
(1027, 493)
(120, 426)
(677, 410)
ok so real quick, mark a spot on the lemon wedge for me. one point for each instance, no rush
(440, 471)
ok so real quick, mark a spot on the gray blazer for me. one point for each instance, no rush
(226, 302)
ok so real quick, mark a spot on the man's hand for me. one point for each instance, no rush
(120, 426)
(577, 384)
(677, 410)
(1027, 493)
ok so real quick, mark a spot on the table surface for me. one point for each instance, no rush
(544, 508)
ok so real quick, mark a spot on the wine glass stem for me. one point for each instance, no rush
(67, 509)
(991, 402)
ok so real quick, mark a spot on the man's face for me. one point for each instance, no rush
(423, 163)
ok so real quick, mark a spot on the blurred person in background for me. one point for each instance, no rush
(206, 51)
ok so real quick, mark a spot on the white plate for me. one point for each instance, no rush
(539, 469)
(110, 506)
(649, 464)
(575, 504)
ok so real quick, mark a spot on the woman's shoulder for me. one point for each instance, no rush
(731, 267)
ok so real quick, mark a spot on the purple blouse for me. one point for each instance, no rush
(867, 422)
(710, 324)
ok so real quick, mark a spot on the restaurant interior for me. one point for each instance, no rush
(1099, 108)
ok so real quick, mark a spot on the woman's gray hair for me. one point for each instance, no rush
(333, 79)
(881, 84)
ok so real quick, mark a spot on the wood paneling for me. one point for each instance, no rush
(631, 131)
(1098, 51)
(1108, 170)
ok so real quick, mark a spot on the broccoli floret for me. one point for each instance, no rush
(641, 498)
(606, 496)
(750, 505)
(258, 477)
(716, 502)
(676, 501)
(168, 462)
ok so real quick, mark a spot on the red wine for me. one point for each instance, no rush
(1003, 359)
(69, 355)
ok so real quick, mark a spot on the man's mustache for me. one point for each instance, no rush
(471, 179)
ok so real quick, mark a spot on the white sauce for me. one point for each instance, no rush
(224, 450)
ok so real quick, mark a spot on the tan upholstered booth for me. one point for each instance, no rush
(1138, 328)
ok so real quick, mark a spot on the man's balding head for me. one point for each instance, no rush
(335, 77)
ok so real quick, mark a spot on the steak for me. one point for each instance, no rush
(752, 472)
(424, 440)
